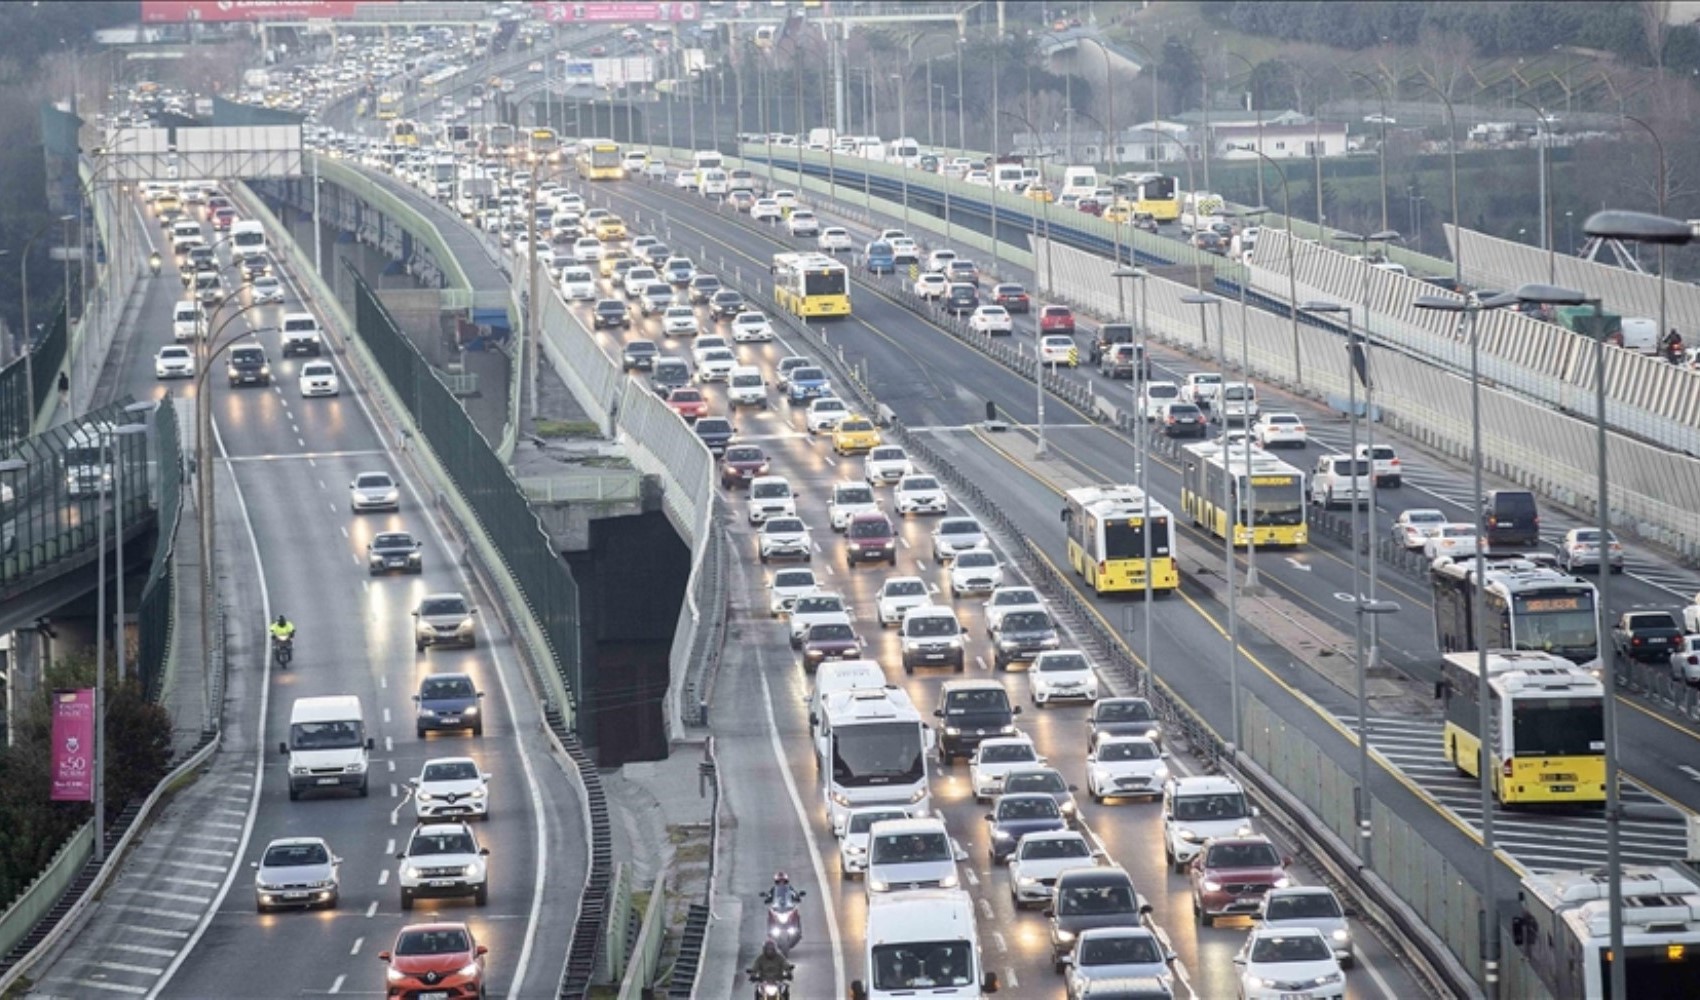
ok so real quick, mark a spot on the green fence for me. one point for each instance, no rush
(153, 616)
(487, 485)
(16, 393)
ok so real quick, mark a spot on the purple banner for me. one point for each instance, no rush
(73, 745)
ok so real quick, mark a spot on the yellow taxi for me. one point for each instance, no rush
(855, 434)
(1119, 212)
(611, 259)
(610, 227)
(1039, 192)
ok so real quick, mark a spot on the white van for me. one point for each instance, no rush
(185, 321)
(909, 854)
(301, 334)
(327, 745)
(706, 159)
(1334, 479)
(1005, 176)
(1640, 334)
(843, 675)
(1200, 210)
(247, 237)
(1239, 403)
(746, 387)
(922, 943)
(711, 182)
(578, 284)
(1079, 181)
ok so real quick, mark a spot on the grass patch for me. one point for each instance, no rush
(567, 429)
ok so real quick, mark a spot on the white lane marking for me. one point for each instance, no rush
(199, 883)
(1010, 980)
(142, 949)
(781, 758)
(308, 455)
(336, 984)
(100, 984)
(997, 939)
(145, 970)
(372, 910)
(905, 542)
(973, 879)
(1297, 564)
(357, 943)
(389, 848)
(1691, 772)
(386, 716)
(384, 877)
(985, 908)
(391, 764)
(389, 744)
(156, 931)
(1375, 974)
(344, 530)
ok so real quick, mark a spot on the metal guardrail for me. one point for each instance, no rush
(646, 949)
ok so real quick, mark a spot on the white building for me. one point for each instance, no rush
(1282, 135)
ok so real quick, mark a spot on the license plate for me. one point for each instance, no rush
(441, 883)
(449, 720)
(1295, 996)
(395, 562)
(328, 781)
(1562, 788)
(294, 895)
(434, 995)
(935, 656)
(1250, 901)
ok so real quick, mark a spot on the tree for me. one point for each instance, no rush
(1182, 72)
(1655, 25)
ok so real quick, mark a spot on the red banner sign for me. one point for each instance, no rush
(618, 13)
(73, 745)
(162, 11)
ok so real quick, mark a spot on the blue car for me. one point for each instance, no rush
(448, 701)
(880, 258)
(808, 383)
(1018, 814)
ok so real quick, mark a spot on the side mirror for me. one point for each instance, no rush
(383, 956)
(401, 855)
(416, 614)
(1351, 912)
(413, 782)
(938, 713)
(1050, 911)
(483, 852)
(1238, 960)
(858, 991)
(1091, 758)
(964, 630)
(1073, 788)
(1015, 711)
(283, 748)
(415, 698)
(480, 694)
(482, 949)
(990, 818)
(370, 744)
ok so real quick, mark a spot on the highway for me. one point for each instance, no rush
(291, 460)
(761, 723)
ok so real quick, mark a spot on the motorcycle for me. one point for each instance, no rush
(769, 988)
(283, 650)
(784, 918)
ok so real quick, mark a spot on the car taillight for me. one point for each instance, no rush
(1505, 768)
(1395, 462)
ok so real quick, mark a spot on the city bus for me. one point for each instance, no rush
(1106, 539)
(404, 133)
(1564, 931)
(389, 106)
(1530, 607)
(1157, 195)
(1547, 718)
(871, 750)
(599, 160)
(543, 142)
(1276, 493)
(811, 284)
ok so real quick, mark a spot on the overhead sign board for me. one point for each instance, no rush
(611, 72)
(621, 13)
(250, 10)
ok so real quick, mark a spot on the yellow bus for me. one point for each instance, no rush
(599, 160)
(1107, 531)
(811, 285)
(1276, 514)
(404, 133)
(389, 106)
(1156, 195)
(1547, 718)
(543, 142)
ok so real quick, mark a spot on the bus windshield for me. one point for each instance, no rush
(1126, 539)
(1558, 727)
(1563, 625)
(1278, 500)
(887, 753)
(824, 282)
(605, 156)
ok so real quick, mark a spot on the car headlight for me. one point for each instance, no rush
(1341, 935)
(877, 885)
(1190, 836)
(1007, 730)
(1329, 978)
(1065, 937)
(1257, 982)
(410, 871)
(1027, 880)
(298, 769)
(855, 850)
(1001, 835)
(1211, 885)
(468, 970)
(918, 794)
(470, 710)
(425, 796)
(429, 713)
(1161, 774)
(1068, 808)
(470, 869)
(839, 798)
(952, 731)
(1283, 882)
(265, 369)
(479, 792)
(359, 767)
(1243, 831)
(1050, 643)
(1008, 644)
(948, 882)
(465, 624)
(394, 975)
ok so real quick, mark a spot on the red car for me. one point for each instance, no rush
(1090, 206)
(1012, 297)
(1232, 874)
(1056, 319)
(435, 960)
(688, 403)
(223, 217)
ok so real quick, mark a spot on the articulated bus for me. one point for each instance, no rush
(1157, 195)
(389, 106)
(1547, 724)
(811, 284)
(599, 160)
(1107, 531)
(1273, 491)
(1530, 607)
(1564, 932)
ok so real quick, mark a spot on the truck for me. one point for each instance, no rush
(1199, 210)
(475, 186)
(1079, 181)
(1645, 636)
(822, 138)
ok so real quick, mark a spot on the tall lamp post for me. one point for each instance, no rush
(1315, 148)
(902, 135)
(24, 295)
(1544, 128)
(1452, 171)
(126, 430)
(1380, 92)
(1142, 441)
(100, 626)
(1292, 273)
(1659, 145)
(1257, 109)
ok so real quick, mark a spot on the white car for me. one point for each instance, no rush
(899, 595)
(685, 180)
(1062, 673)
(1126, 766)
(451, 786)
(703, 345)
(1200, 388)
(1414, 527)
(1288, 963)
(751, 327)
(679, 321)
(887, 235)
(318, 378)
(825, 413)
(715, 365)
(786, 586)
(373, 491)
(976, 571)
(853, 839)
(578, 284)
(1058, 349)
(886, 464)
(265, 288)
(991, 320)
(954, 535)
(784, 538)
(1457, 540)
(174, 361)
(1386, 463)
(1313, 906)
(802, 222)
(996, 757)
(766, 210)
(637, 279)
(938, 260)
(587, 250)
(818, 608)
(1040, 858)
(931, 286)
(832, 239)
(918, 494)
(443, 859)
(849, 499)
(1156, 396)
(785, 198)
(1005, 600)
(904, 249)
(1272, 429)
(771, 496)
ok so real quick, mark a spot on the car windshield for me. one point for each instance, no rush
(1007, 753)
(959, 528)
(1274, 948)
(393, 542)
(1052, 848)
(1049, 782)
(1242, 856)
(908, 848)
(1302, 906)
(339, 735)
(905, 588)
(1124, 710)
(856, 426)
(783, 525)
(919, 965)
(819, 605)
(451, 770)
(637, 347)
(743, 454)
(1131, 950)
(1026, 621)
(706, 427)
(1128, 750)
(976, 560)
(1064, 663)
(290, 855)
(917, 483)
(1081, 900)
(808, 375)
(445, 687)
(860, 822)
(964, 702)
(1015, 597)
(854, 494)
(768, 491)
(794, 578)
(831, 632)
(442, 941)
(1225, 806)
(1027, 807)
(448, 842)
(685, 396)
(874, 527)
(930, 625)
(1425, 517)
(433, 606)
(828, 405)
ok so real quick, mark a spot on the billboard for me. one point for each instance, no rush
(73, 745)
(249, 10)
(620, 13)
(610, 72)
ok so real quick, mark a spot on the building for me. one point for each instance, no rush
(1282, 135)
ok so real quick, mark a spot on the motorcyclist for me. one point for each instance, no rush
(781, 896)
(770, 966)
(282, 630)
(1673, 346)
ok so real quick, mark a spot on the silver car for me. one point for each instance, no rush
(955, 535)
(444, 620)
(296, 871)
(1581, 550)
(1313, 906)
(374, 491)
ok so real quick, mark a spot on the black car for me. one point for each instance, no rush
(1122, 717)
(726, 303)
(248, 366)
(669, 374)
(1184, 420)
(1016, 815)
(704, 287)
(715, 432)
(656, 254)
(969, 712)
(639, 354)
(961, 298)
(610, 312)
(1023, 635)
(254, 265)
(1511, 519)
(394, 550)
(448, 701)
(1084, 898)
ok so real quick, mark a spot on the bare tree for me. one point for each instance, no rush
(1444, 58)
(1655, 26)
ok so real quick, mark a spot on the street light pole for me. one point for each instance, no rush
(1452, 169)
(1660, 146)
(1544, 130)
(1380, 92)
(902, 137)
(1230, 513)
(1142, 446)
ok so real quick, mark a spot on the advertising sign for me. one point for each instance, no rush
(249, 10)
(73, 745)
(618, 13)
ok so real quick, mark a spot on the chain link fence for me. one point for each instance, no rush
(154, 614)
(31, 379)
